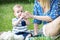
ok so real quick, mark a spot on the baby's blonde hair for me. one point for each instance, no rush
(16, 6)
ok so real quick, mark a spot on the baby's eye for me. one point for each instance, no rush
(17, 11)
(21, 11)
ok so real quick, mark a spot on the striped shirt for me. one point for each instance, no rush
(21, 27)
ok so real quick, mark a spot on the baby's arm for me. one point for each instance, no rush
(16, 22)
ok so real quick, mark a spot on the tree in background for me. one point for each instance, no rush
(9, 1)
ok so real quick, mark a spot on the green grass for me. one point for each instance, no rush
(6, 15)
(40, 38)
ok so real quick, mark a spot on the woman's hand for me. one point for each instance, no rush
(28, 14)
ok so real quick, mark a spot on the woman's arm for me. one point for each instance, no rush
(43, 18)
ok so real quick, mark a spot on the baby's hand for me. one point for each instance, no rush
(22, 15)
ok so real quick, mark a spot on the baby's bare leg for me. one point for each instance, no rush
(53, 28)
(27, 38)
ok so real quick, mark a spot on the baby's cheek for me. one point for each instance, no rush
(19, 14)
(16, 15)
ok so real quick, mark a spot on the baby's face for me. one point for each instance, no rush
(18, 12)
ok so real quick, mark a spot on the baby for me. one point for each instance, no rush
(20, 23)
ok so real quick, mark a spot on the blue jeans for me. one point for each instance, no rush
(22, 33)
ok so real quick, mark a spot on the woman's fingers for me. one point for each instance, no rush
(23, 15)
(29, 15)
(26, 14)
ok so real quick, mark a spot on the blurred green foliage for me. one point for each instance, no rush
(12, 1)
